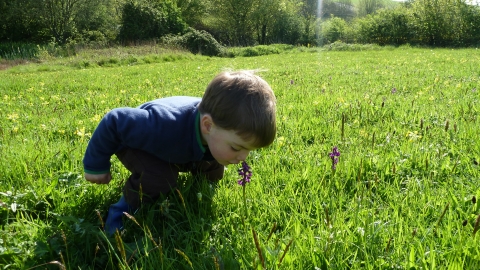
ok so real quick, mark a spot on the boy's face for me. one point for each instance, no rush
(225, 145)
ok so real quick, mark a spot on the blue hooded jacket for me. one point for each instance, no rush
(167, 128)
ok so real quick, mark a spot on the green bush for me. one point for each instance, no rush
(172, 41)
(342, 46)
(145, 21)
(201, 42)
(195, 41)
(422, 22)
(257, 50)
(92, 38)
(387, 27)
(333, 29)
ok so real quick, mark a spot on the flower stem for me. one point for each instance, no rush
(245, 216)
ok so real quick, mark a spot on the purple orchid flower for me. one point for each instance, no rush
(334, 156)
(245, 173)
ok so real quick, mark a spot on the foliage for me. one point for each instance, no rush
(202, 42)
(387, 26)
(334, 29)
(61, 21)
(247, 23)
(342, 9)
(367, 7)
(192, 11)
(91, 38)
(432, 23)
(309, 12)
(97, 22)
(18, 50)
(258, 50)
(287, 28)
(145, 20)
(444, 22)
(20, 22)
(73, 24)
(234, 18)
(342, 46)
(197, 42)
(264, 18)
(58, 17)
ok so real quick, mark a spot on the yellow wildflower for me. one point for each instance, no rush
(281, 141)
(12, 116)
(96, 118)
(413, 136)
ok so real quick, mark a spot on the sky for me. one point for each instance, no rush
(471, 2)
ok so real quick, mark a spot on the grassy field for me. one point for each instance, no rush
(402, 196)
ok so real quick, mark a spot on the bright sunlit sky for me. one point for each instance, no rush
(471, 2)
(474, 2)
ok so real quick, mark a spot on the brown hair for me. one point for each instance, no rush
(243, 102)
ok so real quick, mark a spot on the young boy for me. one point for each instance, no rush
(166, 136)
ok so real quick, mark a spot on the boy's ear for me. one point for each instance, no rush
(206, 123)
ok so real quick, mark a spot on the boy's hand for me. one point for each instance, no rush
(98, 178)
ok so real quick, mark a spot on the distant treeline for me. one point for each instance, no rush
(240, 22)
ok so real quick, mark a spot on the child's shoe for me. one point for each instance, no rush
(115, 214)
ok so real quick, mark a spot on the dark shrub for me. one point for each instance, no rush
(144, 21)
(202, 42)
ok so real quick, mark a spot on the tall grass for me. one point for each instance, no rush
(403, 194)
(14, 50)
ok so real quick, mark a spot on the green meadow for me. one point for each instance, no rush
(404, 194)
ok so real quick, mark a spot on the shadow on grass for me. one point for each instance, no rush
(172, 233)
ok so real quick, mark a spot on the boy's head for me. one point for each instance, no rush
(244, 103)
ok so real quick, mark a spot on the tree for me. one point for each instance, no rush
(387, 27)
(234, 18)
(152, 19)
(471, 21)
(264, 17)
(309, 11)
(20, 22)
(440, 22)
(366, 7)
(333, 30)
(59, 17)
(61, 20)
(341, 9)
(192, 11)
(288, 27)
(98, 19)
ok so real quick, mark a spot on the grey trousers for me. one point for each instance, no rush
(151, 176)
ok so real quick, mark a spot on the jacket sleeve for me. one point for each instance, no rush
(130, 127)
